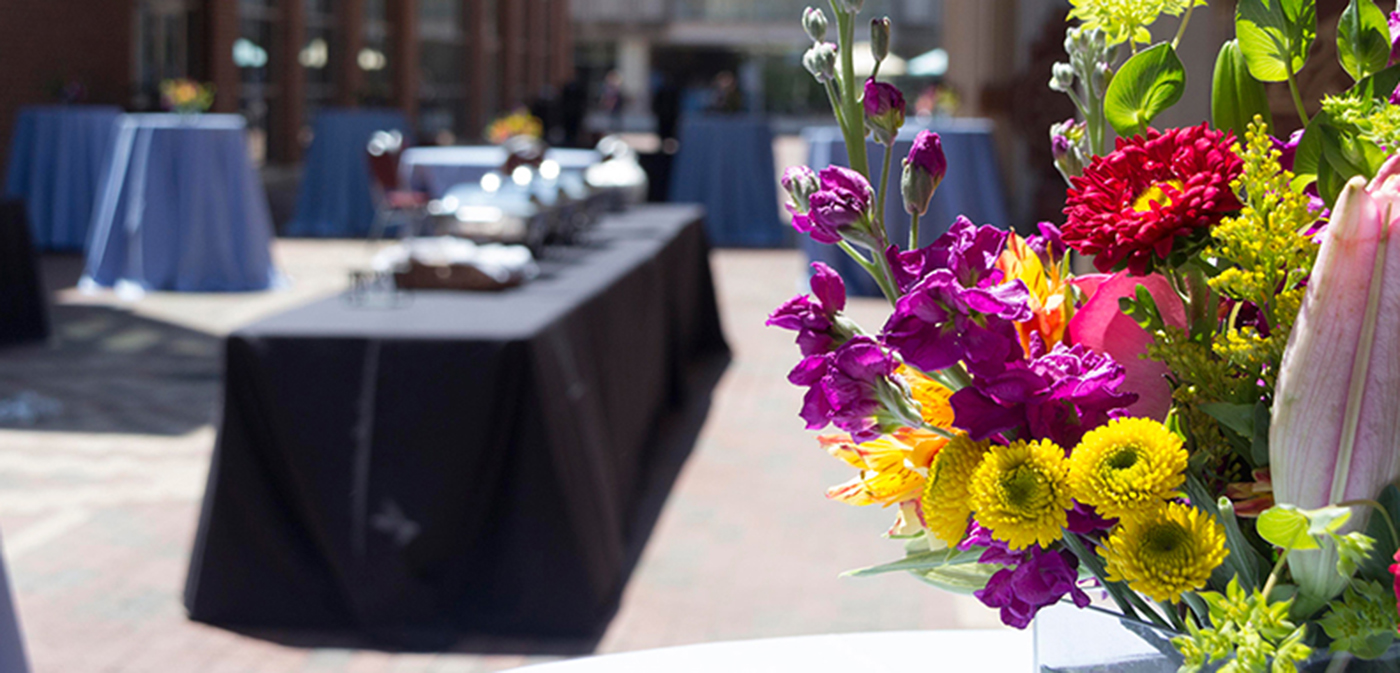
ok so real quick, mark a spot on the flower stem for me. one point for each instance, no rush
(914, 231)
(1297, 97)
(1181, 30)
(1273, 576)
(884, 191)
(835, 97)
(852, 123)
(877, 270)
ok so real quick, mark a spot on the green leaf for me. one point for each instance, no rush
(1275, 36)
(1285, 526)
(1235, 96)
(920, 561)
(1143, 87)
(1237, 417)
(1259, 448)
(1326, 520)
(1243, 559)
(962, 578)
(1378, 86)
(1363, 39)
(1353, 550)
(1378, 528)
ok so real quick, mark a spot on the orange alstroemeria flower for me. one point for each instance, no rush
(932, 397)
(1049, 313)
(892, 468)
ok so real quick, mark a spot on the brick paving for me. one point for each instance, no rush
(99, 502)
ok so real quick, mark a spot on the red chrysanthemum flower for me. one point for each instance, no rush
(1132, 204)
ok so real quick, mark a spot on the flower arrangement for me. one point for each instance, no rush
(1206, 432)
(186, 96)
(517, 123)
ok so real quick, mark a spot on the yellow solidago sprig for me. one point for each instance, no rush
(1127, 467)
(1127, 20)
(1266, 254)
(1021, 493)
(1165, 553)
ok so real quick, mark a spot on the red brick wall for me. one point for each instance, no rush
(47, 42)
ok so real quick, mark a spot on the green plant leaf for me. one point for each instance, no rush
(1235, 96)
(1377, 566)
(1378, 86)
(1363, 39)
(1247, 564)
(1143, 87)
(1287, 527)
(962, 578)
(1237, 417)
(1275, 36)
(942, 558)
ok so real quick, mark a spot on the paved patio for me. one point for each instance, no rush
(99, 501)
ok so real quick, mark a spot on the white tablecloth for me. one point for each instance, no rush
(893, 652)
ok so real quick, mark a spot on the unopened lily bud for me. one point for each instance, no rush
(1061, 77)
(923, 171)
(814, 22)
(880, 38)
(820, 60)
(801, 183)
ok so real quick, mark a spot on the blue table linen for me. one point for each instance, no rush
(726, 164)
(972, 187)
(181, 208)
(57, 155)
(335, 200)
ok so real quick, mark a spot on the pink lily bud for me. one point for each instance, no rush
(1335, 434)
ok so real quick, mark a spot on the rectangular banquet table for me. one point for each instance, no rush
(436, 170)
(469, 463)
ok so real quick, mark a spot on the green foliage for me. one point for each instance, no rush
(1143, 87)
(1363, 621)
(1235, 96)
(1275, 36)
(1248, 630)
(1126, 20)
(942, 558)
(1352, 135)
(1363, 39)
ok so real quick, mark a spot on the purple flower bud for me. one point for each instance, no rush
(881, 99)
(1059, 147)
(843, 200)
(814, 22)
(1394, 38)
(800, 183)
(923, 171)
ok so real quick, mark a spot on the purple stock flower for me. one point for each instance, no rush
(1049, 245)
(1060, 395)
(954, 306)
(1394, 22)
(813, 316)
(1041, 580)
(994, 550)
(843, 387)
(800, 183)
(1287, 149)
(843, 201)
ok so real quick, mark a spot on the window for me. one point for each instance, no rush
(373, 58)
(253, 53)
(440, 57)
(318, 47)
(162, 49)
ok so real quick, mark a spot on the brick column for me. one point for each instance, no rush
(561, 43)
(476, 55)
(511, 15)
(403, 27)
(222, 16)
(288, 73)
(349, 40)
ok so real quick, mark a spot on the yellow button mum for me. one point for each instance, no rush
(946, 504)
(1127, 467)
(1165, 553)
(1021, 492)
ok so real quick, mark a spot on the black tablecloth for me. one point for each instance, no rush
(22, 313)
(467, 464)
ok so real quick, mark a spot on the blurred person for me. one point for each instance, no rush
(727, 97)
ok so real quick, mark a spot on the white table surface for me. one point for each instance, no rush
(983, 651)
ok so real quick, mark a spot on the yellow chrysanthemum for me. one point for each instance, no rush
(1127, 467)
(1021, 492)
(1166, 552)
(946, 503)
(932, 397)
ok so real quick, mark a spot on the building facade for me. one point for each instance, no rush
(449, 65)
